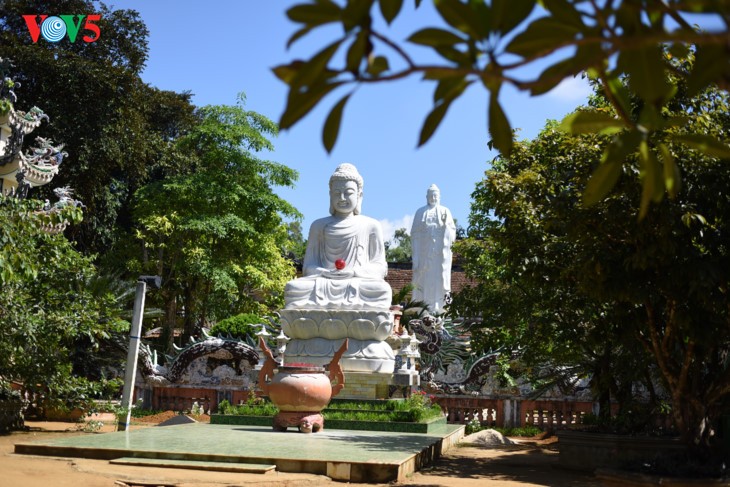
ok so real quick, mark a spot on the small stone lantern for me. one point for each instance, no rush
(413, 351)
(261, 334)
(281, 341)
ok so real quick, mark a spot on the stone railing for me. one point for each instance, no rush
(182, 398)
(499, 412)
(514, 412)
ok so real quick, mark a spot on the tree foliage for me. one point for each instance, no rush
(240, 326)
(399, 248)
(47, 305)
(592, 288)
(215, 233)
(492, 43)
(116, 129)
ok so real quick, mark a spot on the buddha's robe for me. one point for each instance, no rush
(356, 239)
(432, 234)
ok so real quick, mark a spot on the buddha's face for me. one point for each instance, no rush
(344, 196)
(433, 197)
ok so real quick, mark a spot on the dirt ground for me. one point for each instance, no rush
(531, 463)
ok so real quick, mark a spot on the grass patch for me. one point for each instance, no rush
(526, 431)
(259, 407)
(418, 408)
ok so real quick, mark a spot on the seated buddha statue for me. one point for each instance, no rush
(344, 265)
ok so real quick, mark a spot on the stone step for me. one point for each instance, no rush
(196, 465)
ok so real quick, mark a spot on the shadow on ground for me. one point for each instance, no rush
(512, 465)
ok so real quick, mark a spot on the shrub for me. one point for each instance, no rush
(473, 426)
(526, 431)
(254, 406)
(239, 326)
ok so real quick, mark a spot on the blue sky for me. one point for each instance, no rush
(218, 48)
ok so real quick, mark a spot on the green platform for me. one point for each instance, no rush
(353, 456)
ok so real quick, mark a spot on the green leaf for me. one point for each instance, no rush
(378, 65)
(462, 17)
(390, 9)
(652, 184)
(707, 144)
(602, 181)
(454, 55)
(680, 50)
(676, 121)
(552, 76)
(314, 70)
(708, 67)
(672, 177)
(331, 127)
(435, 37)
(287, 72)
(312, 14)
(298, 35)
(605, 176)
(499, 127)
(449, 88)
(542, 36)
(356, 13)
(356, 53)
(646, 70)
(508, 14)
(619, 93)
(650, 119)
(564, 12)
(594, 122)
(433, 120)
(299, 104)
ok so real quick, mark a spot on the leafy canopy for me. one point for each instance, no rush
(216, 233)
(116, 129)
(47, 306)
(491, 43)
(591, 289)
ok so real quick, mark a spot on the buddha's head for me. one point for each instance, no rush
(433, 195)
(345, 191)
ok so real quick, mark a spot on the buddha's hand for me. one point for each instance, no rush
(338, 274)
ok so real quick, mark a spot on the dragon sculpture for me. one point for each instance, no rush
(154, 373)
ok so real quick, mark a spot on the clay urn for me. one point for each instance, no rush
(300, 390)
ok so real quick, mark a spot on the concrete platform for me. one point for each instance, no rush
(353, 456)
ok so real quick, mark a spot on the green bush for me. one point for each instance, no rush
(473, 426)
(526, 431)
(416, 409)
(239, 326)
(252, 407)
(141, 413)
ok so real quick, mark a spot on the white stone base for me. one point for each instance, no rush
(361, 355)
(336, 324)
(318, 333)
(365, 386)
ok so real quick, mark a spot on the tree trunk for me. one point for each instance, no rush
(189, 327)
(601, 384)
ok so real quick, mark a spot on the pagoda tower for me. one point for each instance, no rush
(21, 171)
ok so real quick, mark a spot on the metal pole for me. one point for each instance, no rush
(133, 352)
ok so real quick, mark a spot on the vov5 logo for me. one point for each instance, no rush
(56, 27)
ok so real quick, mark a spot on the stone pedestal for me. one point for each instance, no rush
(317, 333)
(366, 386)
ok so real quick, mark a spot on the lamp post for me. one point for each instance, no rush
(133, 352)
